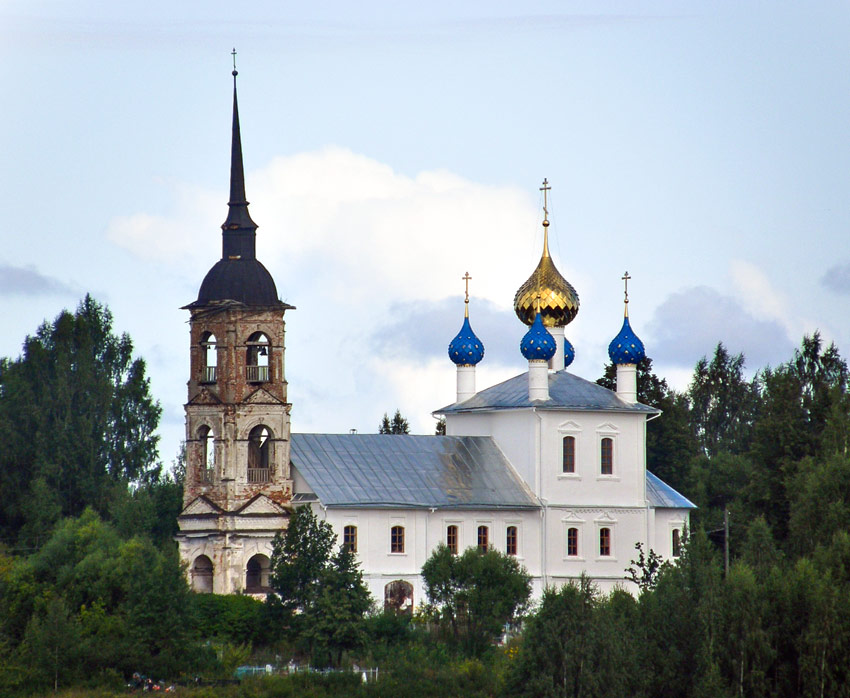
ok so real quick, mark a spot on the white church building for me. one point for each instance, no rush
(546, 466)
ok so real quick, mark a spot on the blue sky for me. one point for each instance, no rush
(701, 146)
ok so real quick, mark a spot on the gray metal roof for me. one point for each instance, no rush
(661, 496)
(406, 471)
(566, 391)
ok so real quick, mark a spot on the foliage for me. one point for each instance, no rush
(577, 644)
(90, 601)
(440, 428)
(474, 595)
(320, 597)
(723, 403)
(396, 425)
(644, 571)
(233, 618)
(76, 417)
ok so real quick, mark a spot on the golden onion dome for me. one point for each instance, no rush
(558, 299)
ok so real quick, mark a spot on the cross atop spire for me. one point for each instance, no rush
(233, 53)
(625, 278)
(466, 278)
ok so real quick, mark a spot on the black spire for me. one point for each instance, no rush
(240, 232)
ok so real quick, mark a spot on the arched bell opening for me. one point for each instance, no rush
(257, 360)
(259, 454)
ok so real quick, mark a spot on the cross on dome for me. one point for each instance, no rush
(545, 189)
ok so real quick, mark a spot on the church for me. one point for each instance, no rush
(547, 467)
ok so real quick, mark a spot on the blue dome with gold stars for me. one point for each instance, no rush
(626, 348)
(538, 344)
(466, 349)
(569, 352)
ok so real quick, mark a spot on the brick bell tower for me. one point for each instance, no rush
(238, 486)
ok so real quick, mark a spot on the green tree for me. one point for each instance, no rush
(76, 417)
(124, 603)
(723, 403)
(644, 571)
(319, 596)
(578, 644)
(474, 595)
(396, 425)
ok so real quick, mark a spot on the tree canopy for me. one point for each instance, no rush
(473, 595)
(320, 597)
(396, 425)
(76, 419)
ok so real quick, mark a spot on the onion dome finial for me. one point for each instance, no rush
(569, 352)
(626, 347)
(537, 344)
(466, 349)
(558, 299)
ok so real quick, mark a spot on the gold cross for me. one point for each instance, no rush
(233, 53)
(545, 189)
(625, 279)
(466, 277)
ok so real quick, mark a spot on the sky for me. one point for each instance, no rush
(391, 148)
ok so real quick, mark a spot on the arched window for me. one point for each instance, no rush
(207, 465)
(483, 538)
(349, 538)
(569, 463)
(397, 539)
(257, 575)
(604, 542)
(607, 456)
(202, 574)
(572, 542)
(259, 448)
(451, 539)
(677, 543)
(398, 597)
(257, 364)
(511, 540)
(208, 346)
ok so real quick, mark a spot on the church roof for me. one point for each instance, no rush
(406, 471)
(566, 391)
(661, 496)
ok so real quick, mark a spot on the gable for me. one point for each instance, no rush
(205, 397)
(261, 396)
(261, 505)
(201, 506)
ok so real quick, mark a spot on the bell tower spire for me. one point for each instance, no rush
(239, 231)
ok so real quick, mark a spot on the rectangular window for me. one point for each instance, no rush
(511, 540)
(572, 542)
(483, 538)
(451, 539)
(397, 539)
(607, 454)
(349, 538)
(677, 543)
(569, 463)
(604, 542)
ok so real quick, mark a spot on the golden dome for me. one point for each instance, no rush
(558, 299)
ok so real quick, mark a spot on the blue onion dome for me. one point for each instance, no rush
(626, 348)
(569, 352)
(466, 349)
(538, 344)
